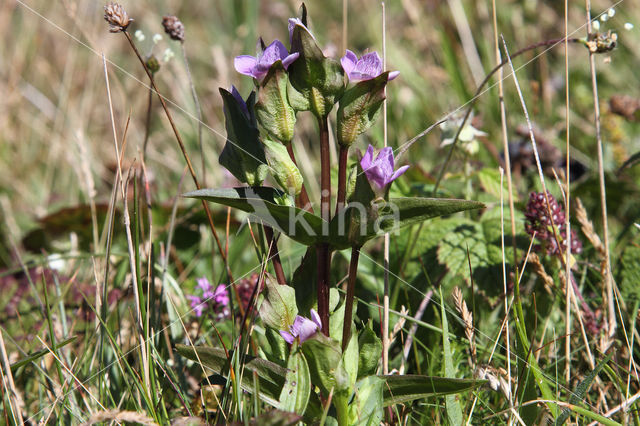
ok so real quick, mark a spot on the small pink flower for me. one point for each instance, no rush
(367, 67)
(302, 328)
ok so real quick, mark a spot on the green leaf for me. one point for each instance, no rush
(359, 108)
(273, 111)
(530, 367)
(490, 181)
(36, 355)
(324, 357)
(630, 273)
(320, 80)
(272, 418)
(399, 389)
(297, 386)
(278, 309)
(581, 389)
(357, 224)
(242, 154)
(305, 279)
(454, 411)
(350, 359)
(299, 225)
(283, 169)
(370, 351)
(367, 407)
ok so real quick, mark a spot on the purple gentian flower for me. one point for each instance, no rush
(380, 171)
(259, 66)
(367, 67)
(241, 102)
(302, 328)
(197, 304)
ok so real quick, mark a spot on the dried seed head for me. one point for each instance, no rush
(116, 17)
(173, 27)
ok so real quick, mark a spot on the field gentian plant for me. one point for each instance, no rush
(260, 129)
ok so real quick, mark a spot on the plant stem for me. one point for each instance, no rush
(189, 165)
(302, 201)
(147, 124)
(342, 178)
(198, 109)
(325, 178)
(274, 255)
(324, 255)
(351, 288)
(472, 102)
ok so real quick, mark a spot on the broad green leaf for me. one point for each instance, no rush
(299, 225)
(454, 411)
(297, 386)
(305, 279)
(242, 154)
(399, 389)
(367, 407)
(278, 310)
(273, 111)
(324, 356)
(490, 181)
(357, 223)
(320, 80)
(370, 351)
(581, 389)
(359, 108)
(283, 169)
(350, 359)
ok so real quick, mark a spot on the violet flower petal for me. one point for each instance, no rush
(303, 328)
(245, 64)
(289, 60)
(398, 173)
(316, 318)
(369, 66)
(348, 62)
(393, 75)
(288, 337)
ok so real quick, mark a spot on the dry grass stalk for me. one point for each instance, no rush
(119, 416)
(587, 228)
(534, 260)
(467, 317)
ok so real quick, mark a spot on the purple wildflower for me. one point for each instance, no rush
(539, 222)
(302, 328)
(241, 102)
(367, 67)
(257, 67)
(380, 171)
(217, 301)
(197, 304)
